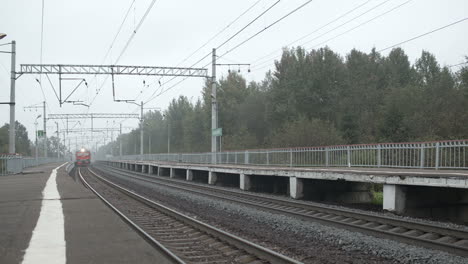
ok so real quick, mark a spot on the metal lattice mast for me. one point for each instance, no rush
(93, 115)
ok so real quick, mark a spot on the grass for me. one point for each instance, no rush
(377, 198)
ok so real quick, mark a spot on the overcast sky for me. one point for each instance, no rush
(81, 32)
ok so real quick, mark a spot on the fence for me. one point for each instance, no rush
(451, 154)
(12, 164)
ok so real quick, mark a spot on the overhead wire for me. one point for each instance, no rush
(41, 56)
(41, 51)
(112, 45)
(208, 41)
(458, 64)
(118, 31)
(267, 27)
(135, 31)
(363, 23)
(4, 44)
(240, 44)
(331, 30)
(221, 31)
(226, 41)
(153, 94)
(314, 31)
(248, 24)
(424, 34)
(349, 30)
(137, 28)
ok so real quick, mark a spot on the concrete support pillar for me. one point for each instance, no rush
(212, 177)
(296, 187)
(150, 169)
(245, 183)
(394, 198)
(355, 193)
(171, 172)
(143, 168)
(189, 176)
(158, 172)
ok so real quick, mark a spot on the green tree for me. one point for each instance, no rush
(306, 132)
(318, 97)
(22, 142)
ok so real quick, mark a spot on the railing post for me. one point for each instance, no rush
(246, 157)
(235, 157)
(290, 158)
(379, 156)
(348, 156)
(422, 152)
(326, 156)
(267, 158)
(437, 156)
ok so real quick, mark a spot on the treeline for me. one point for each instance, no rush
(317, 98)
(25, 146)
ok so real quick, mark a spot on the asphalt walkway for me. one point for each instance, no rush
(50, 217)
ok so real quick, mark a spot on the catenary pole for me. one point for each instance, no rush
(37, 160)
(168, 136)
(214, 117)
(149, 143)
(12, 137)
(45, 130)
(58, 141)
(141, 129)
(120, 141)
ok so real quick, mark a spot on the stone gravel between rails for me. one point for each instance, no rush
(304, 240)
(331, 205)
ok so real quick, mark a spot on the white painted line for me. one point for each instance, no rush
(47, 243)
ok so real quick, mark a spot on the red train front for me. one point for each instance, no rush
(82, 157)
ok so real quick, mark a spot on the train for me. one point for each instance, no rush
(82, 157)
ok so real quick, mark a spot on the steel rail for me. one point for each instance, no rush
(138, 229)
(425, 234)
(238, 242)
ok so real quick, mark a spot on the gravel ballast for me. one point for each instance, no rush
(306, 241)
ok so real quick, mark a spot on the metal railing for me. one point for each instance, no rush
(13, 164)
(451, 154)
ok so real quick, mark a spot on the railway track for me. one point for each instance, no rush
(180, 238)
(410, 232)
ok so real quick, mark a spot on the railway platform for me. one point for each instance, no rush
(47, 216)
